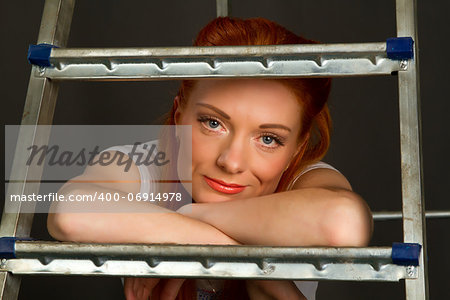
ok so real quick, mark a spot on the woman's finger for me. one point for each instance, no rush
(145, 291)
(129, 289)
(148, 286)
(156, 291)
(139, 288)
(136, 287)
(171, 288)
(152, 282)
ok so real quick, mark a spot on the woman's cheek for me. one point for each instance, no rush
(269, 172)
(202, 141)
(203, 147)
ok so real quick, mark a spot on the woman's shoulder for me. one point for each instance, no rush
(136, 148)
(142, 154)
(115, 167)
(310, 167)
(317, 165)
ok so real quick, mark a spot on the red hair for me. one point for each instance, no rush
(312, 94)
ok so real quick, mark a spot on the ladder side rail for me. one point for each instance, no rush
(223, 8)
(411, 150)
(39, 107)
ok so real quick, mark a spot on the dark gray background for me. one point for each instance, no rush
(365, 143)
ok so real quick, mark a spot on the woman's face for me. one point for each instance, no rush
(244, 135)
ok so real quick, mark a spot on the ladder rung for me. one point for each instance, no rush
(311, 60)
(258, 262)
(193, 269)
(397, 215)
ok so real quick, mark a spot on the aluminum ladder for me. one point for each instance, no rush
(399, 56)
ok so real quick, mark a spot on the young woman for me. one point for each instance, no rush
(256, 176)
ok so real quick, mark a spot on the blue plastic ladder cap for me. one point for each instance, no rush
(406, 254)
(8, 246)
(400, 48)
(40, 54)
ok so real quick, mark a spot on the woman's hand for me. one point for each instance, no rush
(138, 288)
(273, 289)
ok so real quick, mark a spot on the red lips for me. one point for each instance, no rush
(223, 187)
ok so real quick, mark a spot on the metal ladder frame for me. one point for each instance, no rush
(39, 108)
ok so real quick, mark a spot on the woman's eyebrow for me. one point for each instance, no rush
(220, 112)
(262, 126)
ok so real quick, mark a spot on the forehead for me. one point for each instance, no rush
(252, 101)
(257, 92)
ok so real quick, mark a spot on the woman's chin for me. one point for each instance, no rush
(214, 198)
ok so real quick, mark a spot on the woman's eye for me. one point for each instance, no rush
(267, 140)
(210, 123)
(213, 124)
(271, 141)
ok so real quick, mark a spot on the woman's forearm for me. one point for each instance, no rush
(304, 217)
(143, 223)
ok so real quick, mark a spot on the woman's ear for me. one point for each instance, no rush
(177, 108)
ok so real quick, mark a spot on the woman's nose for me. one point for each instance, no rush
(232, 158)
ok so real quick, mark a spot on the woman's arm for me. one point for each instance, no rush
(144, 223)
(322, 210)
(153, 225)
